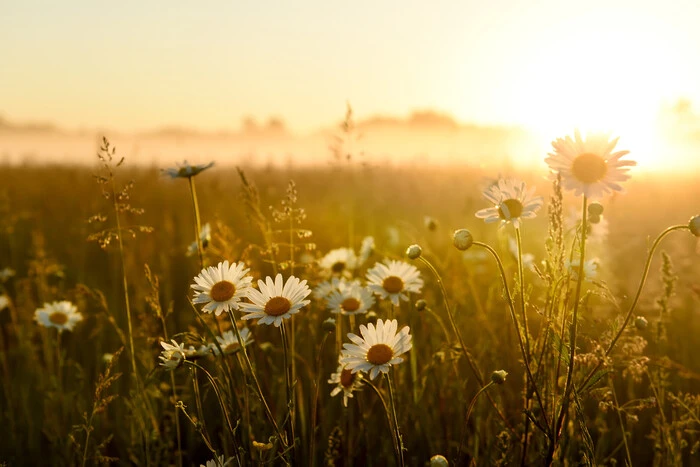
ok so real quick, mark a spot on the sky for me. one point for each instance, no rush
(545, 64)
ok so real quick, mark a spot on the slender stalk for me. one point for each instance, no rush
(397, 447)
(314, 406)
(258, 389)
(633, 306)
(511, 307)
(622, 425)
(290, 390)
(392, 402)
(455, 329)
(574, 322)
(521, 280)
(466, 420)
(197, 222)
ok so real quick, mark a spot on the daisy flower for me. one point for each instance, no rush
(218, 462)
(377, 349)
(221, 287)
(186, 170)
(590, 269)
(589, 167)
(393, 280)
(346, 382)
(229, 342)
(341, 261)
(352, 300)
(511, 202)
(172, 355)
(323, 290)
(276, 300)
(60, 315)
(204, 237)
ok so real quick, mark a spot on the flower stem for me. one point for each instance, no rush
(392, 402)
(197, 222)
(314, 407)
(521, 280)
(574, 321)
(466, 420)
(387, 412)
(290, 389)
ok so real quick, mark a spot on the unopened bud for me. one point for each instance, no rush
(328, 325)
(694, 225)
(641, 323)
(414, 251)
(499, 376)
(421, 305)
(463, 239)
(595, 209)
(438, 461)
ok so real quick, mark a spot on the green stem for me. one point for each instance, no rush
(466, 420)
(197, 222)
(290, 389)
(314, 407)
(392, 402)
(387, 412)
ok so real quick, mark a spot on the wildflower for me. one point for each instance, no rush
(462, 239)
(590, 268)
(186, 170)
(377, 349)
(172, 355)
(341, 261)
(221, 287)
(393, 280)
(324, 289)
(512, 202)
(346, 382)
(229, 342)
(328, 325)
(204, 237)
(352, 300)
(595, 209)
(421, 305)
(276, 300)
(498, 377)
(6, 274)
(694, 225)
(366, 249)
(589, 167)
(641, 322)
(414, 251)
(60, 315)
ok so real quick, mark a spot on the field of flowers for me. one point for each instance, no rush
(350, 314)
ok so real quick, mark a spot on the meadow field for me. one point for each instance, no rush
(483, 374)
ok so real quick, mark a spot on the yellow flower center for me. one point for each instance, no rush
(589, 168)
(222, 291)
(513, 207)
(338, 267)
(350, 304)
(277, 306)
(393, 284)
(379, 354)
(346, 378)
(58, 318)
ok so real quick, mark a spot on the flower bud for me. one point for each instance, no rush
(463, 239)
(438, 461)
(421, 305)
(328, 325)
(499, 376)
(694, 225)
(414, 251)
(430, 223)
(641, 322)
(595, 209)
(593, 219)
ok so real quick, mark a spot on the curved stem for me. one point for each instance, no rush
(455, 329)
(197, 222)
(511, 307)
(574, 321)
(314, 407)
(394, 441)
(521, 280)
(290, 389)
(633, 306)
(466, 420)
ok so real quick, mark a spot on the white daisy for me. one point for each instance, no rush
(60, 315)
(393, 280)
(346, 382)
(589, 167)
(221, 287)
(204, 237)
(341, 261)
(229, 342)
(218, 462)
(512, 202)
(590, 269)
(276, 300)
(351, 300)
(377, 349)
(172, 355)
(323, 290)
(186, 170)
